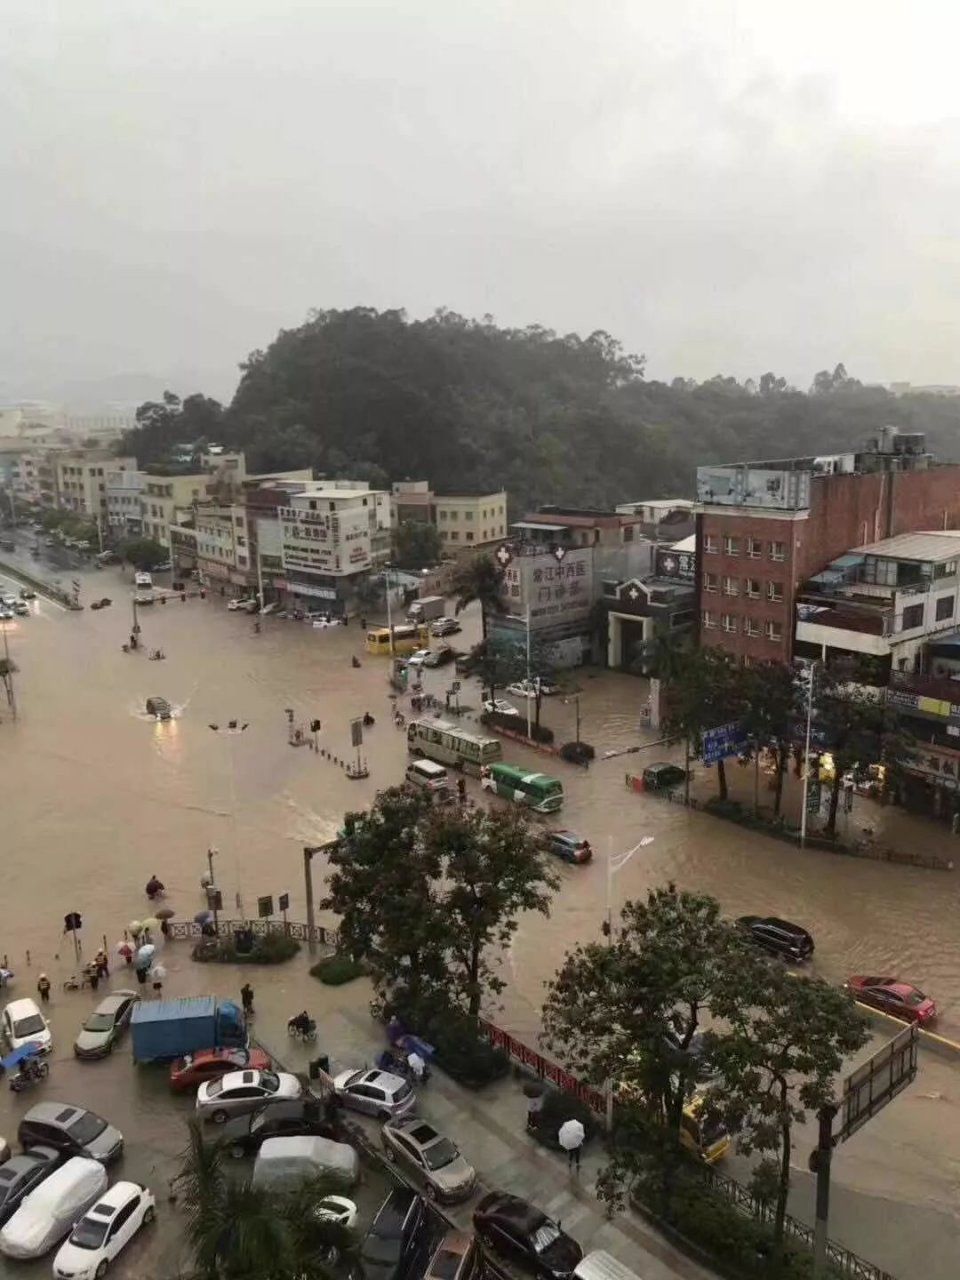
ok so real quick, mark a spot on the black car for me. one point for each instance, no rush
(300, 1117)
(397, 1236)
(662, 776)
(21, 1174)
(516, 1235)
(779, 937)
(74, 1131)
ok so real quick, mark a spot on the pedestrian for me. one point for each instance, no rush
(363, 624)
(93, 974)
(102, 963)
(246, 998)
(570, 1137)
(142, 974)
(43, 986)
(157, 983)
(417, 1065)
(534, 1107)
(462, 790)
(165, 927)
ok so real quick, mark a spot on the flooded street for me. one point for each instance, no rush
(97, 796)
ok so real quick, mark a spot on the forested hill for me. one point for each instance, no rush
(551, 418)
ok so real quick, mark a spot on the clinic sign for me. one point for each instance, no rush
(556, 589)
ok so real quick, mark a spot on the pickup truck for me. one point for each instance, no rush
(166, 1029)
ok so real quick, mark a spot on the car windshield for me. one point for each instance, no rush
(544, 1236)
(913, 998)
(89, 1233)
(383, 1249)
(28, 1026)
(440, 1154)
(269, 1081)
(99, 1022)
(404, 1091)
(86, 1128)
(214, 1087)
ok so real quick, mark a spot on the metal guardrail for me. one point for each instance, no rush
(521, 1053)
(189, 930)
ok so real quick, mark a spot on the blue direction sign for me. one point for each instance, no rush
(723, 741)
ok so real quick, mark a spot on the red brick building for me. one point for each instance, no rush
(764, 528)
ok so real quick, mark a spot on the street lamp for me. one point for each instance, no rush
(809, 676)
(616, 862)
(232, 729)
(575, 698)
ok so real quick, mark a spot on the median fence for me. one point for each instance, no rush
(191, 931)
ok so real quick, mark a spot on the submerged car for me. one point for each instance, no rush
(160, 708)
(569, 846)
(103, 1028)
(890, 995)
(663, 775)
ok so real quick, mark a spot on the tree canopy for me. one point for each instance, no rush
(469, 405)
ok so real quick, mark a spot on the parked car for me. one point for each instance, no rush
(189, 1072)
(291, 1160)
(337, 1209)
(23, 1023)
(516, 1235)
(27, 594)
(104, 1027)
(21, 608)
(429, 1159)
(164, 567)
(529, 688)
(500, 707)
(246, 605)
(662, 776)
(779, 937)
(74, 1131)
(48, 1212)
(418, 658)
(569, 846)
(467, 663)
(453, 1257)
(104, 1231)
(6, 615)
(397, 1236)
(440, 656)
(300, 1117)
(376, 1093)
(445, 627)
(239, 1092)
(890, 995)
(21, 1174)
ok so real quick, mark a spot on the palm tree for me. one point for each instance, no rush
(478, 579)
(237, 1231)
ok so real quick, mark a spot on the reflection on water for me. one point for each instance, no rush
(95, 799)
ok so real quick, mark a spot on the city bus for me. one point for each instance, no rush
(537, 791)
(406, 639)
(449, 744)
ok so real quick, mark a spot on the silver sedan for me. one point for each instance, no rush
(105, 1025)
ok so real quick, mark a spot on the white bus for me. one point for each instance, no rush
(449, 744)
(143, 581)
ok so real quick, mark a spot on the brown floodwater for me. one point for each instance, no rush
(96, 796)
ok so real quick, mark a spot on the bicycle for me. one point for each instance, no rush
(76, 982)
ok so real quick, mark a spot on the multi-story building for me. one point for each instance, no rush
(667, 520)
(332, 534)
(648, 607)
(412, 500)
(765, 528)
(467, 521)
(81, 483)
(223, 543)
(124, 492)
(166, 500)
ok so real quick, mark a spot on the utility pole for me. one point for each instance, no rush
(386, 579)
(806, 756)
(259, 579)
(529, 682)
(8, 670)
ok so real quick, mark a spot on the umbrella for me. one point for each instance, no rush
(533, 1089)
(123, 948)
(202, 917)
(157, 972)
(152, 923)
(134, 926)
(571, 1135)
(145, 954)
(166, 913)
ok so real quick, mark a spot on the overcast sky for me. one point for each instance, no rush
(728, 186)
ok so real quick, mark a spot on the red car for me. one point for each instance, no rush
(186, 1074)
(895, 997)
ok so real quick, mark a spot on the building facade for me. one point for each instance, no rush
(332, 535)
(468, 521)
(81, 483)
(124, 493)
(765, 528)
(651, 607)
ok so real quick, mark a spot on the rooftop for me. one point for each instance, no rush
(941, 545)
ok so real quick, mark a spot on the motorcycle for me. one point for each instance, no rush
(31, 1069)
(305, 1034)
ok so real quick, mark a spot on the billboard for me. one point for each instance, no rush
(723, 741)
(556, 590)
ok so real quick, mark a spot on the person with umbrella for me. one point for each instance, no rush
(570, 1137)
(125, 951)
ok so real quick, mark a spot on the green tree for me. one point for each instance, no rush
(143, 553)
(500, 663)
(382, 886)
(237, 1231)
(480, 579)
(772, 705)
(784, 1042)
(416, 545)
(708, 691)
(493, 868)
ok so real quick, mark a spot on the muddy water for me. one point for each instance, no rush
(95, 796)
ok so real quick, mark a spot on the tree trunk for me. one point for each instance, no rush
(756, 780)
(536, 707)
(831, 827)
(483, 623)
(721, 779)
(781, 774)
(473, 975)
(784, 1188)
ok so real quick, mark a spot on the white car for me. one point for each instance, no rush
(337, 1209)
(23, 1023)
(239, 1092)
(104, 1231)
(501, 707)
(444, 627)
(418, 659)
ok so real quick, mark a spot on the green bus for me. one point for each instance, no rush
(449, 744)
(538, 791)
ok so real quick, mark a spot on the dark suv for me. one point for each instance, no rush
(779, 937)
(396, 1237)
(71, 1130)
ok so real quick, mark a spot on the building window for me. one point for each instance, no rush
(753, 588)
(944, 607)
(754, 548)
(773, 631)
(468, 515)
(731, 545)
(778, 551)
(731, 586)
(710, 544)
(912, 617)
(730, 622)
(709, 619)
(442, 515)
(711, 582)
(454, 536)
(469, 535)
(774, 590)
(751, 626)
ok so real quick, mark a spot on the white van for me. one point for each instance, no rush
(143, 581)
(285, 1162)
(428, 775)
(47, 1213)
(600, 1265)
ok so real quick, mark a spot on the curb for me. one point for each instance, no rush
(932, 1041)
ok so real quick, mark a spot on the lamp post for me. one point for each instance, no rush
(575, 699)
(232, 729)
(308, 853)
(616, 862)
(810, 671)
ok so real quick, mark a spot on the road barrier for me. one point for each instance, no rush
(542, 1067)
(191, 931)
(38, 584)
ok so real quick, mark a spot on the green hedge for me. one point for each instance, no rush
(271, 948)
(461, 1052)
(577, 752)
(338, 969)
(557, 1108)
